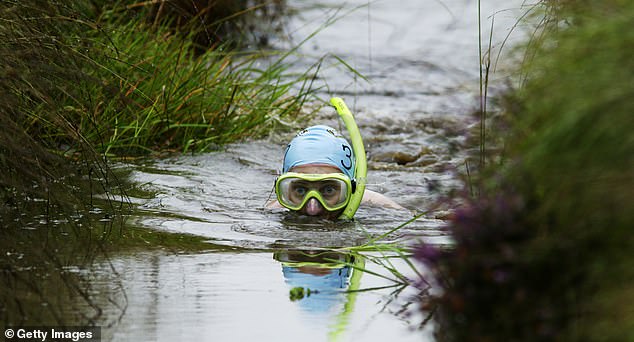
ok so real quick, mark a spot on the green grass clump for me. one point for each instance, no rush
(545, 251)
(125, 87)
(162, 96)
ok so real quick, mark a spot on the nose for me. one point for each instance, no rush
(313, 207)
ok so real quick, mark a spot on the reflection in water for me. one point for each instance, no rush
(45, 258)
(323, 275)
(325, 278)
(244, 296)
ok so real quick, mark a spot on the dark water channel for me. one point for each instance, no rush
(421, 59)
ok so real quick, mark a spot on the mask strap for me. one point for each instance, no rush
(272, 191)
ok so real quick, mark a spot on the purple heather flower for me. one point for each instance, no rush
(428, 254)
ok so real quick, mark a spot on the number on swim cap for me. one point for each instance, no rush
(349, 155)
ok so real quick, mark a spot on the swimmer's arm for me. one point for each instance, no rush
(378, 200)
(273, 204)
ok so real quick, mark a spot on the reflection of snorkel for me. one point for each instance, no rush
(359, 155)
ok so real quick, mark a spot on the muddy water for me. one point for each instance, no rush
(421, 61)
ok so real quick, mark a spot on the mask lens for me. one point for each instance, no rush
(333, 193)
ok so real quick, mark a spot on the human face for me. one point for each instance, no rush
(313, 207)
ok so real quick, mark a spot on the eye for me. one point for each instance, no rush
(300, 190)
(328, 190)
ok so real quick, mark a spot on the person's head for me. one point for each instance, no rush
(318, 173)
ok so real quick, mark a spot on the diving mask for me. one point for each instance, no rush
(332, 190)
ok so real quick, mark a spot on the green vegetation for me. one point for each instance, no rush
(83, 82)
(545, 251)
(298, 293)
(175, 100)
(124, 86)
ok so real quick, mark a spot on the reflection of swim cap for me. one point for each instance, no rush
(320, 145)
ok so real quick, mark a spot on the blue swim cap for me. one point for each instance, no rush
(320, 145)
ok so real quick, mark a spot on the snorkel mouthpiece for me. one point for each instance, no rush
(361, 167)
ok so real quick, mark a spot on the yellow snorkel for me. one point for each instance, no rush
(361, 169)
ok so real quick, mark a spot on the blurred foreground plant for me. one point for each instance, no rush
(545, 251)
